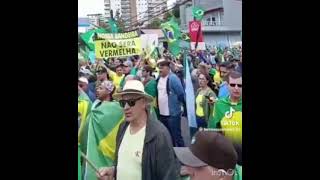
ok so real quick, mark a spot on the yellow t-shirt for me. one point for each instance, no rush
(130, 155)
(199, 108)
(217, 78)
(116, 79)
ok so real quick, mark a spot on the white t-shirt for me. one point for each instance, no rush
(163, 96)
(130, 155)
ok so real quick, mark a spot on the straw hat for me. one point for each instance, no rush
(133, 87)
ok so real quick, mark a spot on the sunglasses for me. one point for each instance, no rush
(234, 85)
(131, 102)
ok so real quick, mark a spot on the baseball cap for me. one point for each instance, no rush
(208, 148)
(84, 80)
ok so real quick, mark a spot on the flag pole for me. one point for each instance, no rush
(194, 18)
(89, 162)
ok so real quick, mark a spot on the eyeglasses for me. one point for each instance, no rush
(131, 102)
(234, 85)
(99, 72)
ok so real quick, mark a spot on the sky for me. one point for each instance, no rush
(90, 7)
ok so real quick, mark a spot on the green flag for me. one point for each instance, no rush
(113, 25)
(79, 163)
(88, 37)
(84, 53)
(197, 12)
(171, 30)
(104, 122)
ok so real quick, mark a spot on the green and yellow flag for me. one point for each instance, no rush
(171, 31)
(197, 12)
(88, 37)
(104, 121)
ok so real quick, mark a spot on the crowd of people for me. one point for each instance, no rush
(140, 102)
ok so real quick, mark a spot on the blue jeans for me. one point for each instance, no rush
(173, 124)
(201, 122)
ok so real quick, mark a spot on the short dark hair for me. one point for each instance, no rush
(120, 65)
(148, 69)
(227, 65)
(234, 75)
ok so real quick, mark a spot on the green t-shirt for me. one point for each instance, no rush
(227, 116)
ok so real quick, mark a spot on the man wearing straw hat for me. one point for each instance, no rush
(144, 148)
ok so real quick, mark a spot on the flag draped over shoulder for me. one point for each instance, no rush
(171, 31)
(190, 95)
(104, 122)
(88, 37)
(79, 163)
(84, 108)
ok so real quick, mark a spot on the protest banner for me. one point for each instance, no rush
(118, 44)
(125, 35)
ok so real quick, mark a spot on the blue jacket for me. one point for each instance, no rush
(92, 96)
(223, 90)
(176, 94)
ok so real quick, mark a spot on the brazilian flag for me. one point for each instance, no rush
(197, 12)
(104, 121)
(88, 37)
(171, 30)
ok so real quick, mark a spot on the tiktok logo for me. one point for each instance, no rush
(229, 114)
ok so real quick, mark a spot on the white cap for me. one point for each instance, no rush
(84, 80)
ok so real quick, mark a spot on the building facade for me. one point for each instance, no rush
(129, 12)
(221, 23)
(113, 5)
(156, 7)
(83, 24)
(94, 20)
(142, 10)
